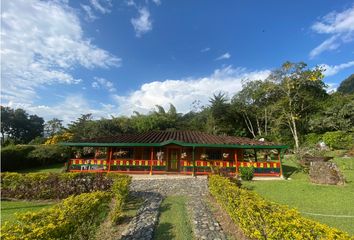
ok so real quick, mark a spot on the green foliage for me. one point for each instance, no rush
(347, 86)
(338, 139)
(120, 190)
(19, 157)
(77, 217)
(261, 219)
(16, 157)
(19, 126)
(60, 185)
(246, 173)
(312, 139)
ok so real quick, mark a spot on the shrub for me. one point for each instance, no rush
(246, 173)
(17, 157)
(77, 217)
(14, 157)
(261, 219)
(120, 190)
(312, 139)
(56, 185)
(338, 139)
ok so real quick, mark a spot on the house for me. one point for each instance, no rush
(182, 152)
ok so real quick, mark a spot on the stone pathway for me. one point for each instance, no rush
(154, 189)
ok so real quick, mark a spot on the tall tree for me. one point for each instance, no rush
(53, 126)
(19, 126)
(300, 91)
(347, 86)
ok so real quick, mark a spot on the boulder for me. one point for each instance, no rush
(325, 173)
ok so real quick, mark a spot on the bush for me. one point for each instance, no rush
(17, 157)
(120, 190)
(246, 173)
(56, 185)
(14, 157)
(312, 139)
(77, 217)
(338, 139)
(261, 219)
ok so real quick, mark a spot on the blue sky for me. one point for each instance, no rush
(65, 58)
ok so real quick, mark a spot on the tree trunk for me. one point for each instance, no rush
(258, 127)
(249, 124)
(293, 129)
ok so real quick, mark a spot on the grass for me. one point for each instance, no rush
(54, 168)
(111, 231)
(301, 194)
(173, 222)
(9, 208)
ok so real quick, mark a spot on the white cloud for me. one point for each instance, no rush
(104, 84)
(181, 93)
(157, 2)
(332, 70)
(42, 47)
(102, 6)
(69, 109)
(224, 56)
(90, 16)
(340, 27)
(205, 49)
(142, 24)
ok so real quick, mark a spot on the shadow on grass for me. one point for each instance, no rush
(164, 230)
(289, 170)
(24, 207)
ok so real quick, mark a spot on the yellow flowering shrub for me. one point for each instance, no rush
(120, 190)
(59, 138)
(76, 217)
(262, 219)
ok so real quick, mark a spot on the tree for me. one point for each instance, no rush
(53, 127)
(254, 103)
(20, 127)
(337, 114)
(347, 86)
(300, 91)
(220, 114)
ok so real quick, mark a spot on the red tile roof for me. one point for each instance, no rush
(190, 137)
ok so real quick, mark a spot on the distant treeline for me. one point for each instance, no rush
(291, 106)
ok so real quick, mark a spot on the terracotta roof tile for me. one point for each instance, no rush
(180, 136)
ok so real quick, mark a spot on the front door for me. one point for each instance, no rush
(173, 162)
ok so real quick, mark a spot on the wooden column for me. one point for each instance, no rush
(255, 155)
(280, 165)
(236, 159)
(151, 158)
(193, 160)
(110, 152)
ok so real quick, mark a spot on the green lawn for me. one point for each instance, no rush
(9, 208)
(173, 222)
(310, 198)
(55, 168)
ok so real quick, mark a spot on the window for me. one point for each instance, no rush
(123, 153)
(214, 154)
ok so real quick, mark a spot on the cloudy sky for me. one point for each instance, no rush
(64, 58)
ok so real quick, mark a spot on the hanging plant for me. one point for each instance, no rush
(184, 155)
(120, 153)
(225, 155)
(204, 156)
(159, 155)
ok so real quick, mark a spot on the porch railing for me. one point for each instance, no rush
(145, 166)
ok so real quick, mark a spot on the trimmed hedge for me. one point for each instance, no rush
(59, 185)
(17, 157)
(76, 217)
(120, 190)
(261, 219)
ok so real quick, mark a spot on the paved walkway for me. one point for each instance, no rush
(155, 188)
